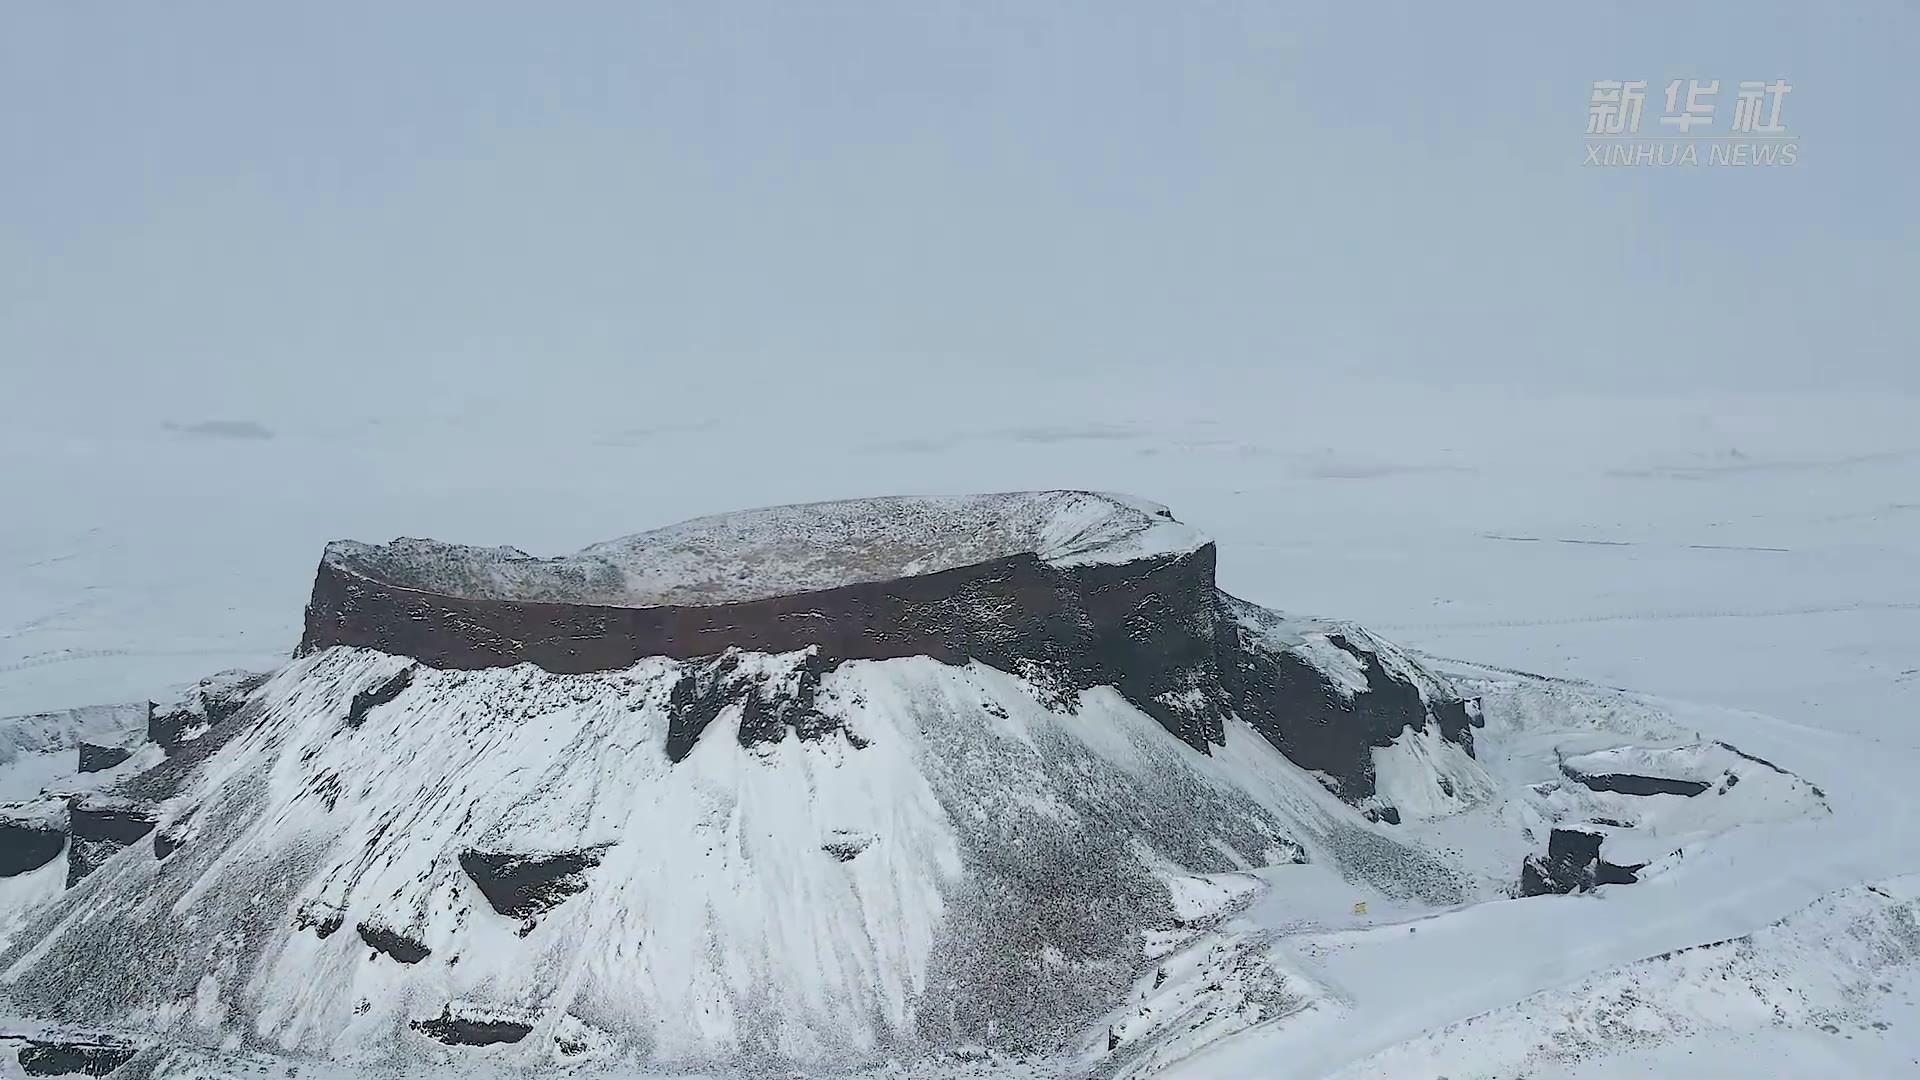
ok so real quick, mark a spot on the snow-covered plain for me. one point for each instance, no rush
(1751, 563)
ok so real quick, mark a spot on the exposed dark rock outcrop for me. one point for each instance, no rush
(31, 836)
(1145, 627)
(375, 696)
(1572, 864)
(524, 886)
(457, 1030)
(100, 827)
(405, 949)
(204, 705)
(76, 1058)
(1153, 626)
(168, 838)
(846, 845)
(771, 702)
(1314, 719)
(97, 758)
(1387, 814)
(1631, 784)
(321, 918)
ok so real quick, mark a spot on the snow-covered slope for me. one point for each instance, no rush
(1786, 999)
(43, 748)
(1763, 942)
(959, 860)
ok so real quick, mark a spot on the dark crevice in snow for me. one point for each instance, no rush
(1632, 784)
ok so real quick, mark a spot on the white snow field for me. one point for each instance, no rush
(1748, 570)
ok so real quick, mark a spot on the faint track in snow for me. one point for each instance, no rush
(1658, 616)
(1564, 680)
(1596, 542)
(65, 656)
(70, 655)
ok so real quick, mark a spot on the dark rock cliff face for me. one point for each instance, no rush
(30, 838)
(468, 1031)
(523, 886)
(96, 758)
(79, 1058)
(1154, 628)
(1300, 710)
(1145, 627)
(1632, 784)
(206, 705)
(768, 709)
(100, 830)
(402, 947)
(1572, 864)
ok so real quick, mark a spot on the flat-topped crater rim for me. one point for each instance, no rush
(788, 550)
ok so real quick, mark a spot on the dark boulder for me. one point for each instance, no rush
(97, 758)
(100, 827)
(845, 845)
(1318, 722)
(373, 697)
(1572, 864)
(401, 947)
(320, 917)
(457, 1030)
(31, 836)
(168, 838)
(524, 886)
(206, 704)
(73, 1058)
(771, 703)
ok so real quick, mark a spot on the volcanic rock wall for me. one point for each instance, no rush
(1145, 627)
(1156, 629)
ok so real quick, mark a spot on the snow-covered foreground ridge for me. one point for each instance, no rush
(1045, 813)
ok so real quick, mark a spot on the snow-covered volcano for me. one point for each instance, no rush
(809, 787)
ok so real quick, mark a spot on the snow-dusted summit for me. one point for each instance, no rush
(781, 550)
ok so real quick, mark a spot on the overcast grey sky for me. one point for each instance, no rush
(250, 211)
